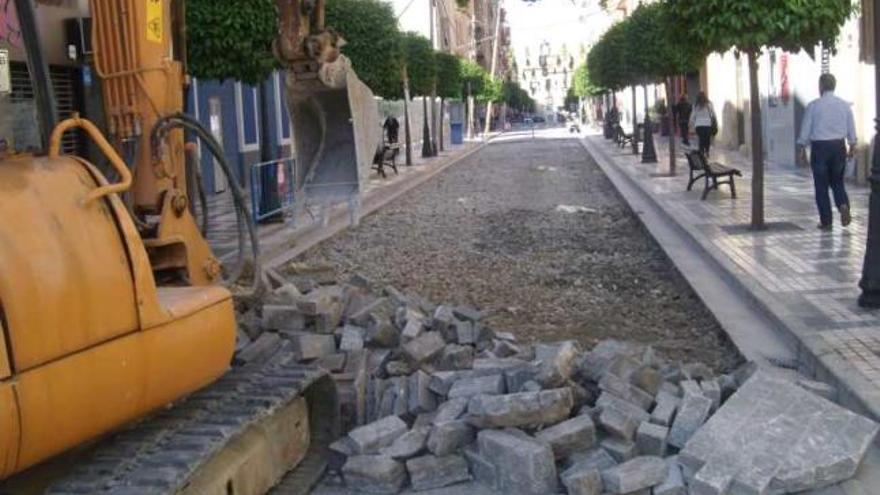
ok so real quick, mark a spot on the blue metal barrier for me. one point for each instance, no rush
(272, 178)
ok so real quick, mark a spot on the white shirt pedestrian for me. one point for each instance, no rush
(828, 118)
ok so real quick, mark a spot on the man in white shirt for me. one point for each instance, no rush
(828, 126)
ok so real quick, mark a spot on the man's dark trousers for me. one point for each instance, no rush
(828, 161)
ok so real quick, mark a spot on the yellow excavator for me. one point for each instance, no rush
(111, 301)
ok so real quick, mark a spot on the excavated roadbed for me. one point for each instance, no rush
(532, 232)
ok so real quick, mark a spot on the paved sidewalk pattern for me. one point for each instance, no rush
(806, 278)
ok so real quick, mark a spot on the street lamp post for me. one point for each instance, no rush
(649, 153)
(870, 282)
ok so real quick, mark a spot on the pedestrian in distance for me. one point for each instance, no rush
(704, 122)
(391, 127)
(827, 127)
(682, 111)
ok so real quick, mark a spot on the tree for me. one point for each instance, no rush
(750, 25)
(421, 71)
(660, 49)
(231, 39)
(369, 28)
(473, 77)
(610, 62)
(448, 83)
(582, 85)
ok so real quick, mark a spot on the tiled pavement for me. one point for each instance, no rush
(805, 279)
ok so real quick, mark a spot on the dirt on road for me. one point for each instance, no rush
(532, 232)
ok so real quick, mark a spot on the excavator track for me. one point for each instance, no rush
(163, 454)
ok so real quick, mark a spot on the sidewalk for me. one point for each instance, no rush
(281, 242)
(805, 280)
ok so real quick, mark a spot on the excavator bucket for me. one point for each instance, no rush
(336, 131)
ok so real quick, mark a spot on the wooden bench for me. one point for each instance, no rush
(621, 136)
(711, 172)
(386, 156)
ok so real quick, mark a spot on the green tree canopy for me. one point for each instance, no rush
(448, 75)
(491, 90)
(231, 39)
(516, 97)
(582, 85)
(608, 62)
(659, 47)
(420, 64)
(373, 42)
(749, 25)
(473, 75)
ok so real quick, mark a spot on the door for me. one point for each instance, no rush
(215, 117)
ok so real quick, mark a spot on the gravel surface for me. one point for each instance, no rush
(532, 231)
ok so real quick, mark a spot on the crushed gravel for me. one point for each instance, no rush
(532, 231)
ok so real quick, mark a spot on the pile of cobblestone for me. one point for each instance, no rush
(431, 397)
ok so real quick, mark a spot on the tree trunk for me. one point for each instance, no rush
(406, 126)
(427, 150)
(670, 97)
(757, 145)
(440, 129)
(470, 113)
(434, 145)
(635, 134)
(495, 43)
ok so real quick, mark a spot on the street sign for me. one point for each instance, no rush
(5, 81)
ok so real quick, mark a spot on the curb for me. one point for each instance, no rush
(814, 357)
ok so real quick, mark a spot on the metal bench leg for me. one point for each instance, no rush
(732, 186)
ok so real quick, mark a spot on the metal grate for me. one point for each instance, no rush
(64, 87)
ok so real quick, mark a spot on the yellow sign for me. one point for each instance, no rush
(155, 22)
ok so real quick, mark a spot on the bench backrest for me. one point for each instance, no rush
(696, 160)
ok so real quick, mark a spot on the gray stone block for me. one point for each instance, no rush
(620, 450)
(467, 313)
(398, 368)
(374, 474)
(412, 330)
(451, 410)
(674, 483)
(607, 399)
(465, 333)
(366, 314)
(712, 390)
(521, 409)
(400, 385)
(407, 314)
(425, 420)
(651, 439)
(408, 445)
(779, 438)
(498, 365)
(618, 423)
(636, 474)
(821, 389)
(352, 338)
(691, 415)
(522, 465)
(691, 387)
(533, 386)
(370, 438)
(557, 368)
(312, 346)
(283, 317)
(670, 388)
(580, 481)
(503, 348)
(429, 471)
(479, 385)
(455, 357)
(618, 386)
(482, 470)
(450, 436)
(597, 458)
(266, 344)
(647, 379)
(578, 433)
(423, 348)
(509, 337)
(443, 322)
(381, 333)
(664, 410)
(334, 363)
(421, 399)
(515, 378)
(441, 381)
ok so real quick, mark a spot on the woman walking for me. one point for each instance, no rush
(703, 121)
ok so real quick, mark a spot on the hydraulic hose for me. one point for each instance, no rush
(243, 217)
